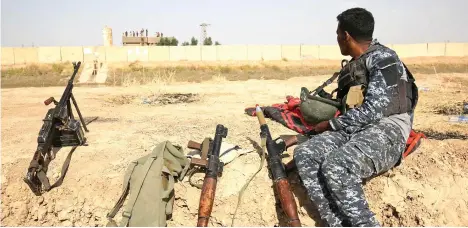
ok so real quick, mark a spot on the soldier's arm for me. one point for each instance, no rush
(376, 99)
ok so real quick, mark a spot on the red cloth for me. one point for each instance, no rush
(289, 114)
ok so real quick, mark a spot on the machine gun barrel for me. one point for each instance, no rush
(277, 170)
(65, 99)
(214, 169)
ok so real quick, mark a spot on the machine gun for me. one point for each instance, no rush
(214, 168)
(60, 129)
(277, 170)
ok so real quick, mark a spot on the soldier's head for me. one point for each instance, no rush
(355, 27)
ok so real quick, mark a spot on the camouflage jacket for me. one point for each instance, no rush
(378, 95)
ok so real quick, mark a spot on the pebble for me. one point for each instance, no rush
(33, 213)
(41, 213)
(86, 209)
(62, 205)
(40, 200)
(63, 215)
(50, 208)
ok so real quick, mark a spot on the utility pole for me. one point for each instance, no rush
(203, 33)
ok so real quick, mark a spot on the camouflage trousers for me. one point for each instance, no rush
(333, 164)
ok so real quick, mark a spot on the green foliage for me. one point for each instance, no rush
(185, 43)
(217, 43)
(168, 41)
(174, 42)
(193, 41)
(208, 41)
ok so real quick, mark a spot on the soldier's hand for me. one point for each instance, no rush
(322, 126)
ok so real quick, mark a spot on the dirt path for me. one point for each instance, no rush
(429, 189)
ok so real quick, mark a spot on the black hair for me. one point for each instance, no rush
(358, 22)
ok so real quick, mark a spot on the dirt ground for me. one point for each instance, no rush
(430, 188)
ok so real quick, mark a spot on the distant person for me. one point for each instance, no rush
(126, 33)
(366, 140)
(95, 68)
(146, 32)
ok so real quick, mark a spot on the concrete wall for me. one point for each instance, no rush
(11, 56)
(72, 54)
(27, 55)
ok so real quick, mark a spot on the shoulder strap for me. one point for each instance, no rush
(155, 156)
(121, 200)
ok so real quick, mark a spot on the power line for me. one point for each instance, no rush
(203, 32)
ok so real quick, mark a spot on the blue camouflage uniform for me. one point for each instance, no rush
(363, 142)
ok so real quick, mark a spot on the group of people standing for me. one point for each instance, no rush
(139, 33)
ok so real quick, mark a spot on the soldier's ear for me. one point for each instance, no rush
(347, 37)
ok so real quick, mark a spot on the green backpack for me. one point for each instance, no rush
(149, 181)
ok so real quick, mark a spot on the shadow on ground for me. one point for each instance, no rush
(431, 134)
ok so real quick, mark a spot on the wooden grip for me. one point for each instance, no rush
(194, 145)
(290, 141)
(48, 101)
(206, 201)
(287, 202)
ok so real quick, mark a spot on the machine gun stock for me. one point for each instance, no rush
(59, 129)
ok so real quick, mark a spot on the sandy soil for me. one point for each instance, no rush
(429, 189)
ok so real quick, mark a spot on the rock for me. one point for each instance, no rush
(41, 213)
(86, 209)
(99, 215)
(63, 204)
(40, 200)
(33, 213)
(63, 215)
(50, 208)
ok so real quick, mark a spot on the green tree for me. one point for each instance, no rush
(185, 43)
(168, 41)
(193, 41)
(208, 41)
(217, 43)
(174, 42)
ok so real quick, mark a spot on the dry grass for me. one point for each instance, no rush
(142, 73)
(37, 75)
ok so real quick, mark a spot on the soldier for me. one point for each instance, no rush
(366, 140)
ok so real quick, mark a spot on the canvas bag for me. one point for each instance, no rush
(149, 183)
